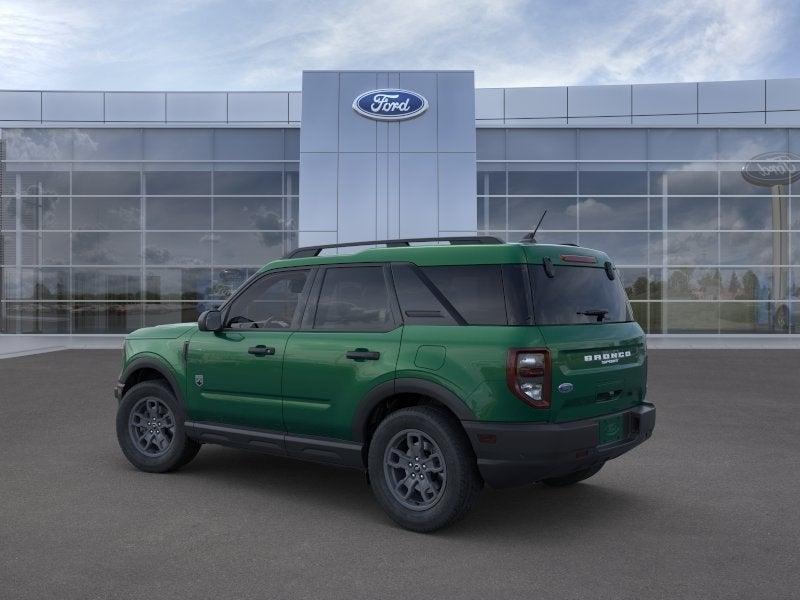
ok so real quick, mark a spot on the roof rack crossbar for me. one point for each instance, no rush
(309, 251)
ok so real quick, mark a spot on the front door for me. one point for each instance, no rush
(235, 374)
(348, 344)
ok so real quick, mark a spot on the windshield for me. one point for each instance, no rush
(577, 295)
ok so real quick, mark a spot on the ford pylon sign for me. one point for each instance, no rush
(390, 105)
(772, 168)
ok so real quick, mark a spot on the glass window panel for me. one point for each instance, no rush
(45, 248)
(106, 317)
(612, 144)
(248, 144)
(635, 282)
(747, 248)
(33, 317)
(795, 246)
(292, 213)
(656, 284)
(524, 213)
(656, 213)
(162, 313)
(692, 213)
(732, 182)
(523, 180)
(249, 182)
(270, 302)
(178, 248)
(107, 144)
(178, 144)
(490, 144)
(639, 310)
(45, 212)
(354, 299)
(541, 144)
(682, 144)
(491, 182)
(744, 144)
(683, 183)
(754, 283)
(291, 144)
(491, 213)
(247, 248)
(36, 183)
(106, 284)
(177, 183)
(117, 183)
(106, 213)
(754, 317)
(748, 213)
(691, 317)
(105, 248)
(794, 283)
(249, 213)
(656, 316)
(8, 214)
(38, 144)
(612, 213)
(794, 216)
(693, 284)
(227, 280)
(8, 248)
(692, 248)
(36, 284)
(623, 248)
(177, 284)
(292, 179)
(178, 213)
(612, 182)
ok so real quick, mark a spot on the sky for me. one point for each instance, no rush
(258, 45)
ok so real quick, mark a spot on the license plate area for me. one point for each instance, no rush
(611, 429)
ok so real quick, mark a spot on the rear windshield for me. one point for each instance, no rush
(577, 295)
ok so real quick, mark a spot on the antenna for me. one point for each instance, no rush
(530, 238)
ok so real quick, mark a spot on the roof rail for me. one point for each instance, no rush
(308, 251)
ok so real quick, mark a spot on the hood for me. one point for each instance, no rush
(162, 332)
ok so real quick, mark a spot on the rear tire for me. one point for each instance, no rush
(422, 469)
(150, 429)
(573, 477)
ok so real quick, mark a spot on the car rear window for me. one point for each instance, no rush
(577, 295)
(476, 292)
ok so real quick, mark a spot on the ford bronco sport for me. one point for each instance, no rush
(433, 368)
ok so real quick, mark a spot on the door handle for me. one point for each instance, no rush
(361, 354)
(261, 350)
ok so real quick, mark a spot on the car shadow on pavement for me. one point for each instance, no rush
(523, 512)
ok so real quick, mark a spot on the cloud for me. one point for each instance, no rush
(212, 44)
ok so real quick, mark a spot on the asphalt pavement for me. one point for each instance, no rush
(708, 508)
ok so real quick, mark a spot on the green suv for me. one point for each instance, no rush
(433, 368)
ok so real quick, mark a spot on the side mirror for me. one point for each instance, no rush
(210, 320)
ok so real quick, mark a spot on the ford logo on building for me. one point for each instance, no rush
(772, 168)
(390, 105)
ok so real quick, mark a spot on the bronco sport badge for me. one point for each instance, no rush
(607, 358)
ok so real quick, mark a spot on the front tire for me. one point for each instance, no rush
(422, 469)
(150, 429)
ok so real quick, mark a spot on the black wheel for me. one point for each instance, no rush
(573, 477)
(150, 429)
(422, 469)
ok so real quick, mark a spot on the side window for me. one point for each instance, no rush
(354, 299)
(476, 291)
(272, 302)
(418, 303)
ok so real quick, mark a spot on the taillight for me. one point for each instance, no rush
(528, 376)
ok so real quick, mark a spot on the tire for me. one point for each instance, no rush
(453, 482)
(168, 448)
(573, 477)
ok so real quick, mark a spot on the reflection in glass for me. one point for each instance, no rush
(37, 284)
(752, 283)
(610, 183)
(177, 284)
(107, 144)
(623, 248)
(112, 183)
(747, 248)
(635, 282)
(612, 213)
(177, 183)
(692, 213)
(36, 183)
(94, 212)
(528, 182)
(249, 213)
(46, 248)
(492, 214)
(491, 182)
(161, 313)
(732, 182)
(248, 182)
(105, 248)
(754, 317)
(178, 248)
(683, 182)
(691, 317)
(692, 248)
(106, 284)
(524, 213)
(178, 213)
(247, 248)
(44, 212)
(106, 317)
(34, 317)
(693, 284)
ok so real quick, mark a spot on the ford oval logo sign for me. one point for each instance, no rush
(390, 105)
(772, 168)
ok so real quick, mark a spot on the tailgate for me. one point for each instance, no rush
(603, 367)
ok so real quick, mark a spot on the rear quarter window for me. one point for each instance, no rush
(475, 291)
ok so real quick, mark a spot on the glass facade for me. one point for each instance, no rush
(109, 230)
(700, 248)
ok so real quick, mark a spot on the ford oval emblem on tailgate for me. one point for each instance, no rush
(565, 388)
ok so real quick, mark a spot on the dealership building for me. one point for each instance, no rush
(127, 209)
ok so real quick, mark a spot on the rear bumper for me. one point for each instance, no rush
(511, 454)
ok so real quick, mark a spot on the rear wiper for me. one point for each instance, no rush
(594, 312)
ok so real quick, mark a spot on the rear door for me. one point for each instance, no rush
(348, 343)
(596, 348)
